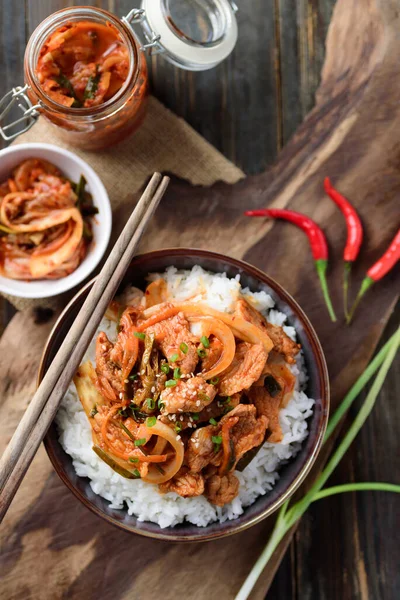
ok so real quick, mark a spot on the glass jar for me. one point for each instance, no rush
(99, 126)
(192, 34)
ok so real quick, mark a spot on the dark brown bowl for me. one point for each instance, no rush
(291, 475)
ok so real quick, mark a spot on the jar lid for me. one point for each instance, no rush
(193, 34)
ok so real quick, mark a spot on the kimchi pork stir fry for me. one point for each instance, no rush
(186, 392)
(45, 222)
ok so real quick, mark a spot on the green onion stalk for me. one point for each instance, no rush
(288, 516)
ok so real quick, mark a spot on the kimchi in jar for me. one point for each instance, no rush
(84, 68)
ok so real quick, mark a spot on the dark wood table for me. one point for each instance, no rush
(248, 108)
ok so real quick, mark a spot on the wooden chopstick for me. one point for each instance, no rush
(45, 402)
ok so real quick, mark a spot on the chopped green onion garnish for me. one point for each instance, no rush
(170, 383)
(133, 377)
(201, 352)
(150, 403)
(217, 441)
(184, 348)
(213, 421)
(195, 416)
(173, 358)
(160, 404)
(205, 341)
(177, 373)
(140, 442)
(151, 421)
(139, 335)
(136, 473)
(133, 459)
(165, 368)
(227, 400)
(203, 396)
(214, 380)
(178, 426)
(94, 411)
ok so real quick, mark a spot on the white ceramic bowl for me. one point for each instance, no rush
(72, 167)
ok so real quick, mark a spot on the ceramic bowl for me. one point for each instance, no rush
(72, 167)
(291, 475)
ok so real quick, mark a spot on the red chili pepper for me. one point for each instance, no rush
(354, 235)
(378, 270)
(317, 240)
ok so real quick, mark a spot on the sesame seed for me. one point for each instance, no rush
(121, 395)
(181, 418)
(153, 389)
(198, 403)
(178, 437)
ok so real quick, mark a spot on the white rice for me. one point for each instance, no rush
(143, 499)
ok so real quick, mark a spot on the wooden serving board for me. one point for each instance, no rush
(52, 547)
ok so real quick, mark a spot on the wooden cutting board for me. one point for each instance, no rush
(52, 547)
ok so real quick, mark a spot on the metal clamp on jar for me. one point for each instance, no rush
(192, 34)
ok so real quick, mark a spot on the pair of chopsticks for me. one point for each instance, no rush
(44, 405)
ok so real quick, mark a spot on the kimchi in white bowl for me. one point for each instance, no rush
(23, 279)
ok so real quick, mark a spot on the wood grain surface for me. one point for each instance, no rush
(257, 98)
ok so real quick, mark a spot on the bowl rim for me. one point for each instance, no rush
(316, 447)
(106, 225)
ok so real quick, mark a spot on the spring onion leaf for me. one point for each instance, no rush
(151, 421)
(184, 348)
(205, 341)
(173, 358)
(65, 83)
(139, 335)
(92, 85)
(150, 403)
(140, 442)
(170, 383)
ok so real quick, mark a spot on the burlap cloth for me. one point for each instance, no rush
(164, 143)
